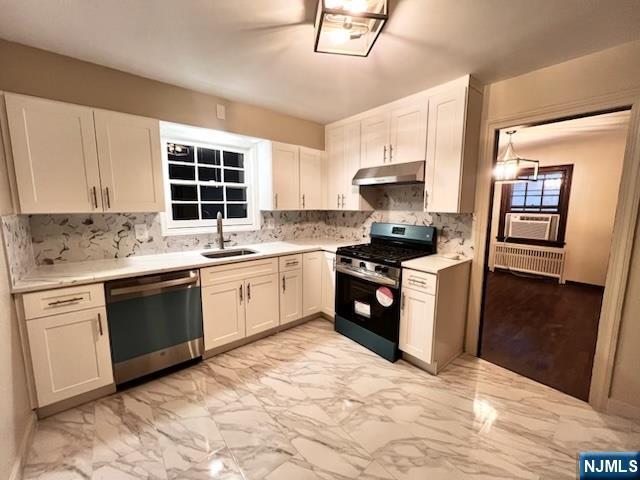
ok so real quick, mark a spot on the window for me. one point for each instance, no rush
(206, 177)
(548, 194)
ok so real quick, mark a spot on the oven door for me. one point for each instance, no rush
(371, 305)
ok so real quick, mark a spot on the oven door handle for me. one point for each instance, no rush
(380, 280)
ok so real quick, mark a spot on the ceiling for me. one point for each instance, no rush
(578, 129)
(261, 52)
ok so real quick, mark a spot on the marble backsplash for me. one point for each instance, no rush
(16, 233)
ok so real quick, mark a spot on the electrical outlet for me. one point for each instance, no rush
(270, 223)
(221, 112)
(142, 232)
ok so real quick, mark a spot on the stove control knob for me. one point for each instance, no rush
(363, 265)
(381, 269)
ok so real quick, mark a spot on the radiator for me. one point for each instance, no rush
(547, 261)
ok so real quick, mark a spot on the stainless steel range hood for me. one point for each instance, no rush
(396, 174)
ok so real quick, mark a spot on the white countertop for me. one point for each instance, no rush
(59, 275)
(434, 263)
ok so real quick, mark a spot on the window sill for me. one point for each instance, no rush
(200, 230)
(526, 241)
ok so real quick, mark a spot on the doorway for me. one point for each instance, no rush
(549, 238)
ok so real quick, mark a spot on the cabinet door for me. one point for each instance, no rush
(290, 296)
(223, 308)
(335, 166)
(262, 307)
(350, 199)
(329, 283)
(70, 354)
(55, 157)
(312, 283)
(417, 324)
(409, 133)
(130, 162)
(286, 175)
(310, 179)
(444, 150)
(375, 140)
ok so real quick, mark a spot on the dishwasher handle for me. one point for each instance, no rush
(191, 279)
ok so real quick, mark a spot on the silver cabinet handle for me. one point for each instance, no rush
(284, 284)
(343, 200)
(107, 197)
(248, 292)
(404, 296)
(390, 153)
(417, 281)
(291, 263)
(384, 156)
(95, 197)
(100, 324)
(303, 202)
(276, 200)
(241, 294)
(65, 302)
(338, 201)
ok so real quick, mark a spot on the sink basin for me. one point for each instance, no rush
(228, 253)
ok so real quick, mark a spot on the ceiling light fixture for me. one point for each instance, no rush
(508, 166)
(349, 27)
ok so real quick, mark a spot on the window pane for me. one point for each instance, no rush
(238, 210)
(236, 194)
(517, 201)
(233, 159)
(551, 200)
(210, 210)
(535, 186)
(211, 194)
(179, 153)
(182, 172)
(233, 176)
(184, 192)
(533, 201)
(185, 211)
(519, 187)
(206, 174)
(210, 157)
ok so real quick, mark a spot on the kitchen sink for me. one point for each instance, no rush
(228, 253)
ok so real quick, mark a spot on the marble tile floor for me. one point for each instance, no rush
(309, 404)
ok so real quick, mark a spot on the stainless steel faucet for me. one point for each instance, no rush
(220, 234)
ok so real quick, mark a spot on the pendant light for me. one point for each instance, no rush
(510, 164)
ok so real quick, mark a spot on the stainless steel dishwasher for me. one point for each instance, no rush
(154, 322)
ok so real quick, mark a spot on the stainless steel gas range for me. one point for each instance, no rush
(368, 283)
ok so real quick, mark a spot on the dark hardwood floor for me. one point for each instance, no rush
(542, 330)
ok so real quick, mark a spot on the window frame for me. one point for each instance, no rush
(563, 206)
(214, 140)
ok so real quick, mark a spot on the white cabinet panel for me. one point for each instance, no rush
(351, 199)
(55, 157)
(223, 313)
(312, 283)
(335, 147)
(417, 324)
(130, 162)
(262, 307)
(409, 132)
(311, 180)
(70, 354)
(286, 172)
(328, 283)
(375, 140)
(290, 296)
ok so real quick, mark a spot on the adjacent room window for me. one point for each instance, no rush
(548, 194)
(204, 178)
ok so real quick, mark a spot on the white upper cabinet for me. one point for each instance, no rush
(335, 148)
(311, 183)
(130, 162)
(375, 140)
(452, 150)
(286, 171)
(409, 132)
(74, 159)
(54, 154)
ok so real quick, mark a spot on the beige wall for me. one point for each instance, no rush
(597, 166)
(36, 72)
(15, 413)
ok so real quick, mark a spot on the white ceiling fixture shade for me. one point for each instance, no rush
(508, 166)
(349, 27)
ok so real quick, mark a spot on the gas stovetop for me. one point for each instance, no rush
(388, 254)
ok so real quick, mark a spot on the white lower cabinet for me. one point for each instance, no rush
(70, 354)
(224, 307)
(290, 296)
(328, 279)
(312, 283)
(417, 324)
(262, 309)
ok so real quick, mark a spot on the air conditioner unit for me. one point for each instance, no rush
(532, 226)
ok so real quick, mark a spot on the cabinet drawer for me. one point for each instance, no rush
(290, 262)
(423, 282)
(63, 300)
(237, 271)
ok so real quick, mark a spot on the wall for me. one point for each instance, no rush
(597, 162)
(16, 418)
(44, 74)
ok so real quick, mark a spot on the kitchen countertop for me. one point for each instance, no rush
(47, 277)
(434, 263)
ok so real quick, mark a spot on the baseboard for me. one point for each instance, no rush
(623, 409)
(23, 449)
